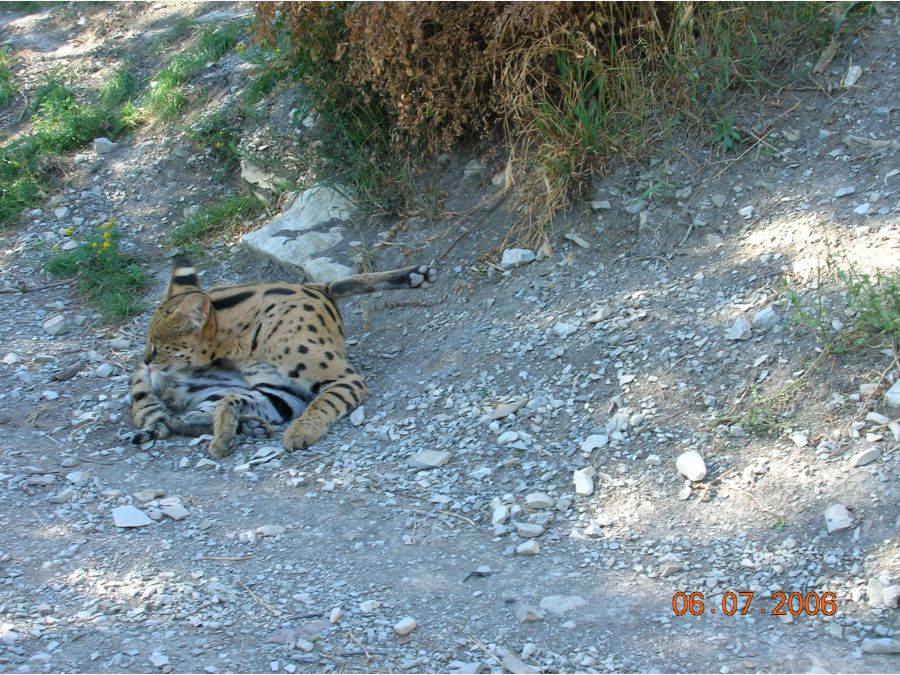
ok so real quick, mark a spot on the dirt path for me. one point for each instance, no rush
(619, 354)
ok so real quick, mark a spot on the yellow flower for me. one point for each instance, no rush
(68, 231)
(106, 245)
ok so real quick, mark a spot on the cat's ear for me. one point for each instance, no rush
(183, 279)
(193, 313)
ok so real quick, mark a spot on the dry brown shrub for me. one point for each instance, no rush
(429, 62)
(570, 84)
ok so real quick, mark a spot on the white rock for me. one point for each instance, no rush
(336, 615)
(894, 428)
(11, 358)
(892, 395)
(129, 516)
(358, 416)
(530, 547)
(103, 145)
(690, 464)
(882, 595)
(881, 646)
(368, 606)
(528, 530)
(594, 441)
(765, 318)
(62, 497)
(56, 325)
(405, 626)
(740, 330)
(877, 418)
(428, 459)
(270, 530)
(307, 233)
(539, 500)
(120, 343)
(561, 604)
(718, 200)
(653, 460)
(746, 212)
(105, 370)
(844, 191)
(563, 329)
(853, 74)
(473, 168)
(61, 213)
(481, 473)
(601, 205)
(175, 511)
(584, 481)
(256, 175)
(514, 257)
(507, 437)
(863, 209)
(514, 664)
(158, 659)
(799, 438)
(866, 456)
(500, 514)
(837, 518)
(78, 477)
(507, 409)
(600, 315)
(577, 240)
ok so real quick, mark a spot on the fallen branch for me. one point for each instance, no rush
(260, 600)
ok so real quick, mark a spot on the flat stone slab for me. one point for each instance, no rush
(309, 236)
(130, 516)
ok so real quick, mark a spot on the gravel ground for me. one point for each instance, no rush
(548, 454)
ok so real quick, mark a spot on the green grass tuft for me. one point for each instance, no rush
(121, 87)
(110, 280)
(217, 219)
(7, 88)
(61, 123)
(166, 96)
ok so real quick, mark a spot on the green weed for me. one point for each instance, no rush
(110, 280)
(260, 87)
(725, 135)
(218, 133)
(871, 312)
(7, 88)
(217, 219)
(769, 414)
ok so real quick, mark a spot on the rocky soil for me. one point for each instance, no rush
(548, 454)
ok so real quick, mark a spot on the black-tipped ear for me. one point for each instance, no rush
(184, 278)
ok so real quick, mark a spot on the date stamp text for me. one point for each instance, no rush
(742, 603)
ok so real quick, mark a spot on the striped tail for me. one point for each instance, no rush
(183, 279)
